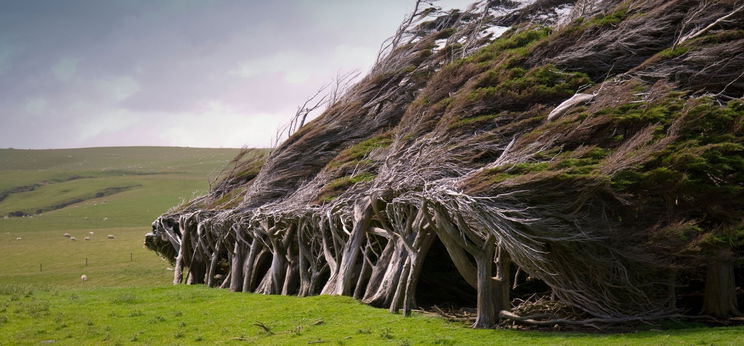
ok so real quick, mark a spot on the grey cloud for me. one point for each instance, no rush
(93, 72)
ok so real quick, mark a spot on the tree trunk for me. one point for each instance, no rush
(383, 293)
(397, 300)
(486, 309)
(720, 290)
(417, 264)
(362, 214)
(379, 269)
(248, 265)
(236, 267)
(502, 282)
(182, 250)
(213, 263)
(364, 275)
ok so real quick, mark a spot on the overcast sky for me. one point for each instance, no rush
(206, 73)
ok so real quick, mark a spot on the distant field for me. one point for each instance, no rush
(153, 179)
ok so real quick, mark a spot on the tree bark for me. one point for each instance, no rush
(720, 288)
(248, 265)
(486, 309)
(236, 267)
(417, 264)
(501, 283)
(362, 214)
(213, 263)
(379, 269)
(183, 249)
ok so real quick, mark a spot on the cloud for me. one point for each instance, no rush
(292, 65)
(5, 53)
(35, 105)
(118, 88)
(96, 120)
(196, 73)
(226, 127)
(64, 69)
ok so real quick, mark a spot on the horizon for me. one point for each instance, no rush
(216, 74)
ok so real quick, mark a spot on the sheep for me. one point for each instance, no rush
(91, 233)
(67, 235)
(110, 236)
(19, 238)
(73, 238)
(84, 277)
(86, 238)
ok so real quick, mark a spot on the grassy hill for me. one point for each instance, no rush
(116, 191)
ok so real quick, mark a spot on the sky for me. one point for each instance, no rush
(199, 73)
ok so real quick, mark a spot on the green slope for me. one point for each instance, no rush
(118, 191)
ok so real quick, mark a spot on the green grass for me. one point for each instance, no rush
(191, 315)
(128, 299)
(160, 178)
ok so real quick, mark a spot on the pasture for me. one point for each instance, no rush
(128, 298)
(155, 178)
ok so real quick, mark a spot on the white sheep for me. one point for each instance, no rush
(91, 233)
(67, 235)
(110, 236)
(86, 238)
(19, 238)
(84, 277)
(73, 238)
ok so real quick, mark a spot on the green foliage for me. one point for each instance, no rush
(354, 154)
(520, 87)
(473, 121)
(701, 172)
(339, 185)
(499, 174)
(445, 33)
(635, 115)
(608, 20)
(513, 43)
(672, 52)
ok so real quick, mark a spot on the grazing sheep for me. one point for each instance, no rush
(86, 238)
(91, 233)
(67, 235)
(73, 238)
(84, 277)
(110, 236)
(19, 238)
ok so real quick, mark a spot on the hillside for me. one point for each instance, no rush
(101, 190)
(548, 162)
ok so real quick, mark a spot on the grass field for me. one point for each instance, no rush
(159, 178)
(192, 315)
(128, 298)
